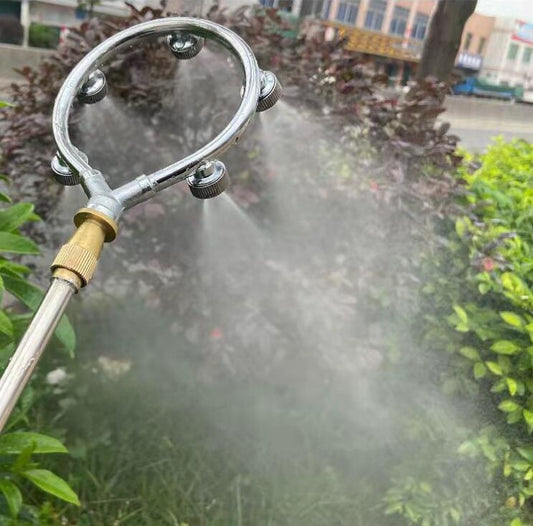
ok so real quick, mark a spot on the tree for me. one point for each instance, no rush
(444, 38)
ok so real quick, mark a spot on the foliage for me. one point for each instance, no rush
(27, 143)
(351, 305)
(316, 72)
(321, 73)
(481, 287)
(43, 36)
(18, 464)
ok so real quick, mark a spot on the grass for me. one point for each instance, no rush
(167, 444)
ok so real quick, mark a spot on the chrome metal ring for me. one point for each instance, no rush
(114, 201)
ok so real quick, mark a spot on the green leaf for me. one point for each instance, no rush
(460, 227)
(479, 370)
(499, 386)
(467, 448)
(505, 347)
(494, 368)
(513, 283)
(516, 522)
(15, 244)
(528, 417)
(13, 269)
(508, 406)
(484, 288)
(521, 465)
(31, 296)
(12, 495)
(526, 452)
(515, 416)
(4, 104)
(393, 508)
(511, 385)
(51, 483)
(512, 319)
(470, 353)
(461, 313)
(4, 198)
(14, 216)
(15, 443)
(23, 459)
(6, 327)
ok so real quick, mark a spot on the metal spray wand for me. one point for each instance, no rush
(96, 224)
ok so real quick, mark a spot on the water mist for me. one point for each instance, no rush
(273, 375)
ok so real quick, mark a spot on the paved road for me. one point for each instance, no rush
(476, 121)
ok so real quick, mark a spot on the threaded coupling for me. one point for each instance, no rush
(81, 253)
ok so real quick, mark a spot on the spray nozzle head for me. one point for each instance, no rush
(94, 89)
(209, 180)
(270, 91)
(184, 45)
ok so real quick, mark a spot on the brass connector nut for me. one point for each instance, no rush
(109, 226)
(78, 259)
(81, 253)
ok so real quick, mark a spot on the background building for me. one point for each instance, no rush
(389, 32)
(474, 44)
(509, 55)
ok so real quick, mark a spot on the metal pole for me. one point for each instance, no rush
(32, 345)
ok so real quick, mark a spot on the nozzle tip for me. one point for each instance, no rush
(94, 89)
(210, 180)
(184, 45)
(270, 91)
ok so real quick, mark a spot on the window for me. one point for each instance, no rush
(310, 7)
(326, 10)
(285, 5)
(526, 57)
(347, 11)
(513, 51)
(400, 16)
(468, 41)
(375, 14)
(420, 26)
(267, 3)
(481, 45)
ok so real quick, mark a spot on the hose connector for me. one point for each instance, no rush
(77, 259)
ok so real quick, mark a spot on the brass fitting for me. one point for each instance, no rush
(77, 259)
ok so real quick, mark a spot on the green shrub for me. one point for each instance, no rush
(18, 464)
(43, 36)
(481, 320)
